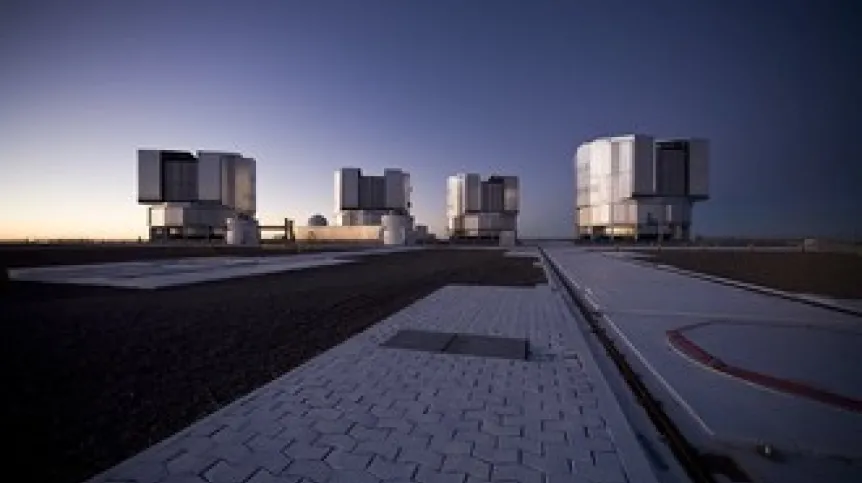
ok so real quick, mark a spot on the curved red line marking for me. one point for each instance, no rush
(698, 354)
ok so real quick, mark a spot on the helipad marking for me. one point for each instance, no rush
(696, 353)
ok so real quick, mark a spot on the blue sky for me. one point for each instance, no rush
(433, 87)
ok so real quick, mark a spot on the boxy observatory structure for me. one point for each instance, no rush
(208, 196)
(384, 201)
(483, 209)
(637, 187)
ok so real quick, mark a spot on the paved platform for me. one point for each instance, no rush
(184, 271)
(364, 413)
(799, 342)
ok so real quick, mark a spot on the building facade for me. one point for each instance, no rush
(194, 196)
(635, 186)
(362, 200)
(477, 208)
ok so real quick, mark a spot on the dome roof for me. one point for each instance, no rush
(317, 220)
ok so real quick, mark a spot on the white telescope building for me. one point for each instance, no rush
(482, 209)
(635, 186)
(196, 197)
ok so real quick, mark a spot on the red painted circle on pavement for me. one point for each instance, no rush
(693, 351)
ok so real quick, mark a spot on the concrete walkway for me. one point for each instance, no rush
(772, 338)
(360, 412)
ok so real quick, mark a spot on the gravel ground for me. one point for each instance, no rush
(94, 375)
(836, 275)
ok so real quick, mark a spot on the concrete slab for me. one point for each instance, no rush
(640, 304)
(849, 306)
(161, 274)
(361, 412)
(184, 271)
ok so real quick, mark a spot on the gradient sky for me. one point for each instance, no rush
(434, 87)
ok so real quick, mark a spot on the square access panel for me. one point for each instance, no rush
(419, 340)
(461, 344)
(488, 346)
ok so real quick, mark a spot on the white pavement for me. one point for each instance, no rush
(779, 337)
(153, 274)
(360, 412)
